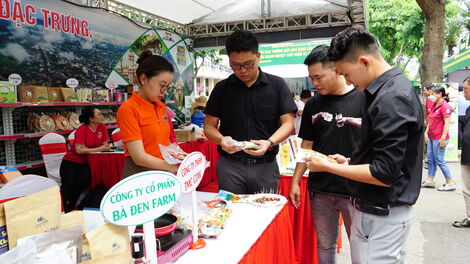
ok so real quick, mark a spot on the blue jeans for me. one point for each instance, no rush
(325, 210)
(436, 158)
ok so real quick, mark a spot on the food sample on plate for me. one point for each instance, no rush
(173, 154)
(213, 221)
(267, 199)
(304, 153)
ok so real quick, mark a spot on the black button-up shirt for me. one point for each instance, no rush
(465, 157)
(253, 112)
(391, 141)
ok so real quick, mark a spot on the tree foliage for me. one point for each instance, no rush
(400, 26)
(208, 54)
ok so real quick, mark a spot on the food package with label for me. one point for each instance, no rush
(42, 95)
(173, 154)
(213, 220)
(60, 246)
(8, 173)
(54, 94)
(68, 94)
(33, 214)
(27, 94)
(304, 153)
(7, 92)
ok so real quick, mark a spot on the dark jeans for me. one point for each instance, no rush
(461, 127)
(241, 178)
(75, 179)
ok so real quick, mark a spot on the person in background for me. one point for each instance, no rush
(249, 105)
(197, 111)
(92, 136)
(143, 118)
(428, 104)
(329, 193)
(387, 164)
(465, 159)
(305, 95)
(462, 107)
(436, 137)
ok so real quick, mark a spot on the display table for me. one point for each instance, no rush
(106, 167)
(251, 235)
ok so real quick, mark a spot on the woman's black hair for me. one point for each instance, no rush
(440, 90)
(87, 113)
(151, 65)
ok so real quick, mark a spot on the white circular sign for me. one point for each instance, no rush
(72, 83)
(191, 171)
(111, 85)
(140, 198)
(15, 78)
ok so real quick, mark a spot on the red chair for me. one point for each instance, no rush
(53, 149)
(117, 138)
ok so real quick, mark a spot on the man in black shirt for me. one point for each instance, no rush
(387, 165)
(331, 123)
(465, 158)
(249, 105)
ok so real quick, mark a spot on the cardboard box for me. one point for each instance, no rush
(7, 92)
(184, 135)
(54, 94)
(68, 94)
(8, 173)
(42, 94)
(27, 94)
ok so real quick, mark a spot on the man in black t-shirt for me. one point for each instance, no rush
(250, 105)
(387, 165)
(331, 123)
(465, 159)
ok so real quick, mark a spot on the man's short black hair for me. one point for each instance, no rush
(319, 54)
(240, 41)
(467, 80)
(305, 94)
(349, 42)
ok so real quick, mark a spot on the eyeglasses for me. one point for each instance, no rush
(246, 66)
(164, 89)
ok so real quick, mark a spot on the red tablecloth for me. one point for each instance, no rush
(302, 222)
(208, 149)
(275, 245)
(107, 167)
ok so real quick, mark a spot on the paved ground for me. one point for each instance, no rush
(433, 240)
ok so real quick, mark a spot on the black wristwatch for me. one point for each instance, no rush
(271, 145)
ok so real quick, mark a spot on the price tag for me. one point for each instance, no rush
(72, 83)
(111, 85)
(15, 78)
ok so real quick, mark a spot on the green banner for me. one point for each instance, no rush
(458, 61)
(288, 53)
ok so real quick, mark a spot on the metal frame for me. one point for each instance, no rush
(355, 15)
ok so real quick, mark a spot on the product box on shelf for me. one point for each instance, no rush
(69, 95)
(8, 173)
(7, 92)
(27, 94)
(84, 95)
(42, 94)
(184, 135)
(54, 94)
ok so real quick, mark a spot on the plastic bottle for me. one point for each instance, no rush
(198, 118)
(137, 247)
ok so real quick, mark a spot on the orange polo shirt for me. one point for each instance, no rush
(139, 119)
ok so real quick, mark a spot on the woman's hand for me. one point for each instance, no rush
(173, 168)
(104, 147)
(442, 143)
(426, 139)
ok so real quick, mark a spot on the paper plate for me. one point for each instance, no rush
(267, 200)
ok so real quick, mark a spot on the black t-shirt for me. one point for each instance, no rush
(391, 141)
(465, 157)
(332, 122)
(248, 113)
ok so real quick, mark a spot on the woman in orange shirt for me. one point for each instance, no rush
(143, 118)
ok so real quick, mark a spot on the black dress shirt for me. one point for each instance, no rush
(391, 142)
(253, 112)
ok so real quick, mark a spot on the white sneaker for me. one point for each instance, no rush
(447, 187)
